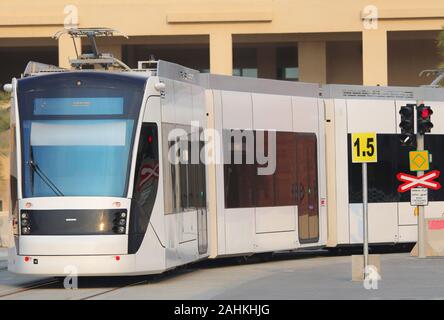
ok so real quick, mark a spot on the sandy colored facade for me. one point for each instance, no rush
(341, 41)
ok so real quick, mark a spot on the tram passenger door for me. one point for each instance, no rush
(307, 187)
(201, 204)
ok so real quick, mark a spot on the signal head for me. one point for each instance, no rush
(424, 122)
(407, 119)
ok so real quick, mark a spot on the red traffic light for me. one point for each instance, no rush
(426, 113)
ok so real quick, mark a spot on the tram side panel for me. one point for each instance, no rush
(350, 116)
(13, 190)
(434, 143)
(184, 184)
(151, 254)
(391, 218)
(262, 213)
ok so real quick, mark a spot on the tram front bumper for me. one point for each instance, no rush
(92, 265)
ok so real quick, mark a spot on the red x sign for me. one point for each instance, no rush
(412, 181)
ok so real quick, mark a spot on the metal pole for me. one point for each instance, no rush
(421, 220)
(365, 216)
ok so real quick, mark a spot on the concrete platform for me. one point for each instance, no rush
(295, 277)
(3, 258)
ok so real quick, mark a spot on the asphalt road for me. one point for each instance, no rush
(290, 276)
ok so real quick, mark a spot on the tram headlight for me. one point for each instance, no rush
(120, 222)
(121, 229)
(25, 222)
(26, 230)
(24, 215)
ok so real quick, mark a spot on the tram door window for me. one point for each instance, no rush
(307, 187)
(265, 186)
(184, 180)
(145, 185)
(285, 174)
(239, 184)
(294, 182)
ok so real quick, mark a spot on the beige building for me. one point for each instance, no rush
(377, 42)
(342, 41)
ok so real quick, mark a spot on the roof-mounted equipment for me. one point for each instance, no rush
(96, 58)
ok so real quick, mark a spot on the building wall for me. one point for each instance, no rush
(312, 24)
(13, 60)
(344, 62)
(407, 58)
(331, 40)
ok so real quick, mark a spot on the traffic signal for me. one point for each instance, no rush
(423, 119)
(407, 124)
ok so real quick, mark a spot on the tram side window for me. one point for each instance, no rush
(238, 178)
(286, 165)
(245, 188)
(184, 180)
(147, 168)
(169, 171)
(197, 181)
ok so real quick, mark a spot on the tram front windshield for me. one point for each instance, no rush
(77, 138)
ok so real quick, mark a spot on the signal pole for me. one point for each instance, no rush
(421, 217)
(423, 125)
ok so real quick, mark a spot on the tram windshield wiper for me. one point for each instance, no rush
(36, 169)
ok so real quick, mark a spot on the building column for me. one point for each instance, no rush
(221, 53)
(266, 62)
(312, 61)
(67, 50)
(374, 57)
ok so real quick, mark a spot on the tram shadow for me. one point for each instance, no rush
(117, 282)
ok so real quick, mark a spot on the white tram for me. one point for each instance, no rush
(108, 177)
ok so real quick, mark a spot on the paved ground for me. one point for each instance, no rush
(310, 277)
(3, 258)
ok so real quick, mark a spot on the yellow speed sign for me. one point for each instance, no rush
(364, 147)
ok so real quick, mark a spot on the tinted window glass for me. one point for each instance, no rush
(239, 178)
(392, 159)
(245, 188)
(184, 180)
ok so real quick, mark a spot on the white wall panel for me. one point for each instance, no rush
(405, 214)
(434, 210)
(198, 100)
(220, 212)
(167, 103)
(408, 233)
(341, 171)
(183, 103)
(371, 115)
(305, 114)
(73, 245)
(237, 110)
(272, 112)
(239, 230)
(274, 219)
(322, 172)
(382, 222)
(276, 241)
